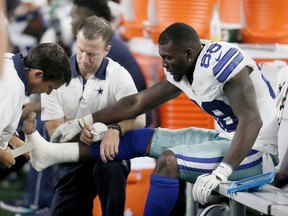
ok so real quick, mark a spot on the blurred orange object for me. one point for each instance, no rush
(134, 17)
(230, 13)
(194, 13)
(266, 21)
(181, 113)
(136, 192)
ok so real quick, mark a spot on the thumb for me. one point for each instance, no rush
(89, 127)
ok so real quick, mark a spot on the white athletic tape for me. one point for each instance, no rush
(22, 149)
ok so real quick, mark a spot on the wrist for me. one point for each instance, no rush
(116, 126)
(83, 122)
(223, 171)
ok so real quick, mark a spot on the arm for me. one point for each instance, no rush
(130, 124)
(16, 142)
(242, 98)
(51, 125)
(134, 105)
(126, 108)
(109, 146)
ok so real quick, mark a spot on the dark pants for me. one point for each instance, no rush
(41, 187)
(77, 184)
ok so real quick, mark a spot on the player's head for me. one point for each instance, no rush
(48, 67)
(85, 8)
(179, 46)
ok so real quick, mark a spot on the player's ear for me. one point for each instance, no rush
(189, 54)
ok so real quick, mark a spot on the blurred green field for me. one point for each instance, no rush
(12, 189)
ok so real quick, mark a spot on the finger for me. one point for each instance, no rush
(194, 191)
(87, 133)
(206, 195)
(116, 149)
(102, 154)
(109, 154)
(112, 152)
(64, 139)
(89, 127)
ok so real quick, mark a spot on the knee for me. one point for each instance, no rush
(167, 165)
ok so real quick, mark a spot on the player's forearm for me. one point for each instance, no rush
(126, 108)
(243, 141)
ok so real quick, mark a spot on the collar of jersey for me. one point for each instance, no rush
(100, 73)
(19, 66)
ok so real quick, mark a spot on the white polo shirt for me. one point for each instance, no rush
(109, 84)
(13, 83)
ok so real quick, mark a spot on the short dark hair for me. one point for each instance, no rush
(52, 59)
(98, 7)
(94, 27)
(179, 34)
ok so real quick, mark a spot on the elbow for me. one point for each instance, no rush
(258, 122)
(255, 121)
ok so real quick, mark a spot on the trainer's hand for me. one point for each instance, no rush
(206, 183)
(6, 158)
(86, 137)
(69, 130)
(109, 146)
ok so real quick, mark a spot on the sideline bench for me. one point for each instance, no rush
(268, 200)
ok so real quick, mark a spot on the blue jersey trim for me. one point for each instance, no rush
(236, 61)
(224, 60)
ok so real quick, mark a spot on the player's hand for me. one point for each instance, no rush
(109, 146)
(69, 130)
(206, 183)
(6, 158)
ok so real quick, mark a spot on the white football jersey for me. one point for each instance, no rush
(217, 63)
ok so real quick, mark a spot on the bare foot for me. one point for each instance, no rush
(29, 124)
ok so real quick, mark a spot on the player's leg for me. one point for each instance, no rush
(133, 144)
(44, 154)
(187, 162)
(164, 183)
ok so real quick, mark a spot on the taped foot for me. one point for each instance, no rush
(45, 154)
(39, 155)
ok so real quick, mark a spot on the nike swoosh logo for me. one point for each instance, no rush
(219, 57)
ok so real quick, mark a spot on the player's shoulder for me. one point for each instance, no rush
(218, 51)
(220, 59)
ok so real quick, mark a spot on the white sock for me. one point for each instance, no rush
(45, 154)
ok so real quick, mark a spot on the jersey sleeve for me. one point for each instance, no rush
(225, 61)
